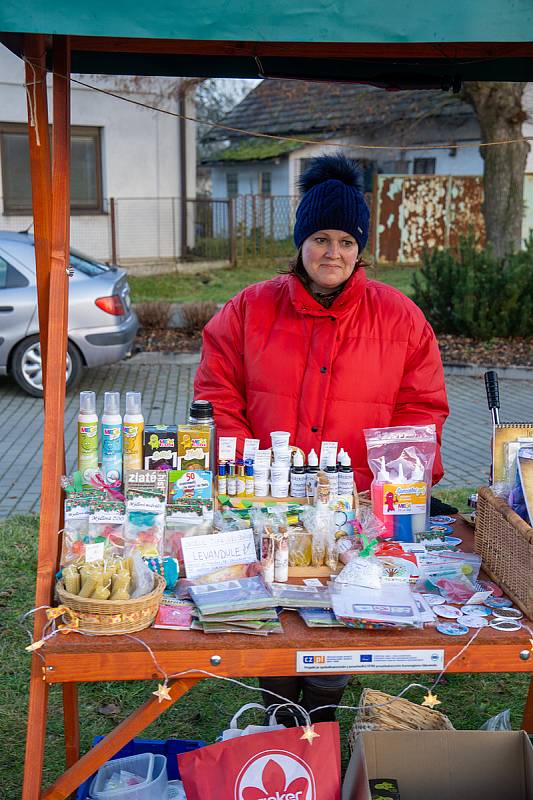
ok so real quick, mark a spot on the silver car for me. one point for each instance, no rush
(101, 324)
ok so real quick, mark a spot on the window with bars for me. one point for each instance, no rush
(395, 167)
(232, 184)
(265, 183)
(86, 170)
(424, 166)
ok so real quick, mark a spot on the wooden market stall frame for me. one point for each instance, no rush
(50, 179)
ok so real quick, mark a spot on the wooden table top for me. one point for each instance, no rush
(83, 658)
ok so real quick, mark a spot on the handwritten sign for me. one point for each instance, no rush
(204, 554)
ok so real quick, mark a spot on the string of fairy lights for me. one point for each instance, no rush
(30, 89)
(163, 692)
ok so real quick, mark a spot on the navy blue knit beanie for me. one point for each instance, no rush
(332, 200)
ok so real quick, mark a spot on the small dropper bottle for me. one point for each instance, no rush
(333, 475)
(345, 476)
(298, 476)
(311, 473)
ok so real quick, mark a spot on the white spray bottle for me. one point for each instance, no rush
(112, 438)
(87, 436)
(133, 432)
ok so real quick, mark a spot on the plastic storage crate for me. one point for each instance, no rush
(170, 748)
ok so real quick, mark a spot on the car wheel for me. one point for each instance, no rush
(26, 366)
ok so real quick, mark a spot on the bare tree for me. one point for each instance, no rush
(215, 97)
(500, 112)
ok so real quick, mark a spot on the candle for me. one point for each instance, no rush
(72, 580)
(120, 594)
(101, 593)
(121, 583)
(88, 586)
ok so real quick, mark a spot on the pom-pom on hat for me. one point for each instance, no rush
(332, 200)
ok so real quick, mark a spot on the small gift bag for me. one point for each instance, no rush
(286, 764)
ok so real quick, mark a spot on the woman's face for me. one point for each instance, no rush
(329, 258)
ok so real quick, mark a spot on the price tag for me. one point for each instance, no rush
(94, 551)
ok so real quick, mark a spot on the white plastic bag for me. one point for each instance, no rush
(234, 732)
(500, 722)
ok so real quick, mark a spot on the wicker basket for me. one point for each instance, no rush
(108, 617)
(397, 715)
(505, 543)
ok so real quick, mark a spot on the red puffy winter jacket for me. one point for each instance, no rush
(275, 359)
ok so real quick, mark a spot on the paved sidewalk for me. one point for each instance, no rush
(167, 389)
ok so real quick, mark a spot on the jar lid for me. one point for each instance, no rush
(201, 410)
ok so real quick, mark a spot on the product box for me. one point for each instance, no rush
(151, 479)
(160, 447)
(193, 446)
(190, 483)
(443, 765)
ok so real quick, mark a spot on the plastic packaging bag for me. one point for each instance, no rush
(320, 522)
(257, 521)
(229, 521)
(122, 780)
(362, 572)
(500, 722)
(145, 523)
(401, 460)
(456, 589)
(300, 547)
(106, 529)
(142, 576)
(76, 530)
(180, 522)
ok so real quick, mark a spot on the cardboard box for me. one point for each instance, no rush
(193, 447)
(160, 447)
(443, 765)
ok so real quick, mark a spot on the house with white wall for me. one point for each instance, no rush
(354, 116)
(142, 159)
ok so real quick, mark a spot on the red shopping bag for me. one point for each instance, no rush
(279, 765)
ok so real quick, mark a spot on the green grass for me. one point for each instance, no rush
(467, 699)
(399, 277)
(222, 284)
(456, 497)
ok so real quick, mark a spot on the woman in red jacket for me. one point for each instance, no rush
(322, 352)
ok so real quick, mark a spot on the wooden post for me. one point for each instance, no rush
(71, 723)
(113, 220)
(41, 176)
(55, 318)
(527, 720)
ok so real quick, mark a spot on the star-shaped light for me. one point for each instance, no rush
(309, 733)
(162, 692)
(431, 700)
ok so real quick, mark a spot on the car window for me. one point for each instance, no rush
(86, 265)
(11, 278)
